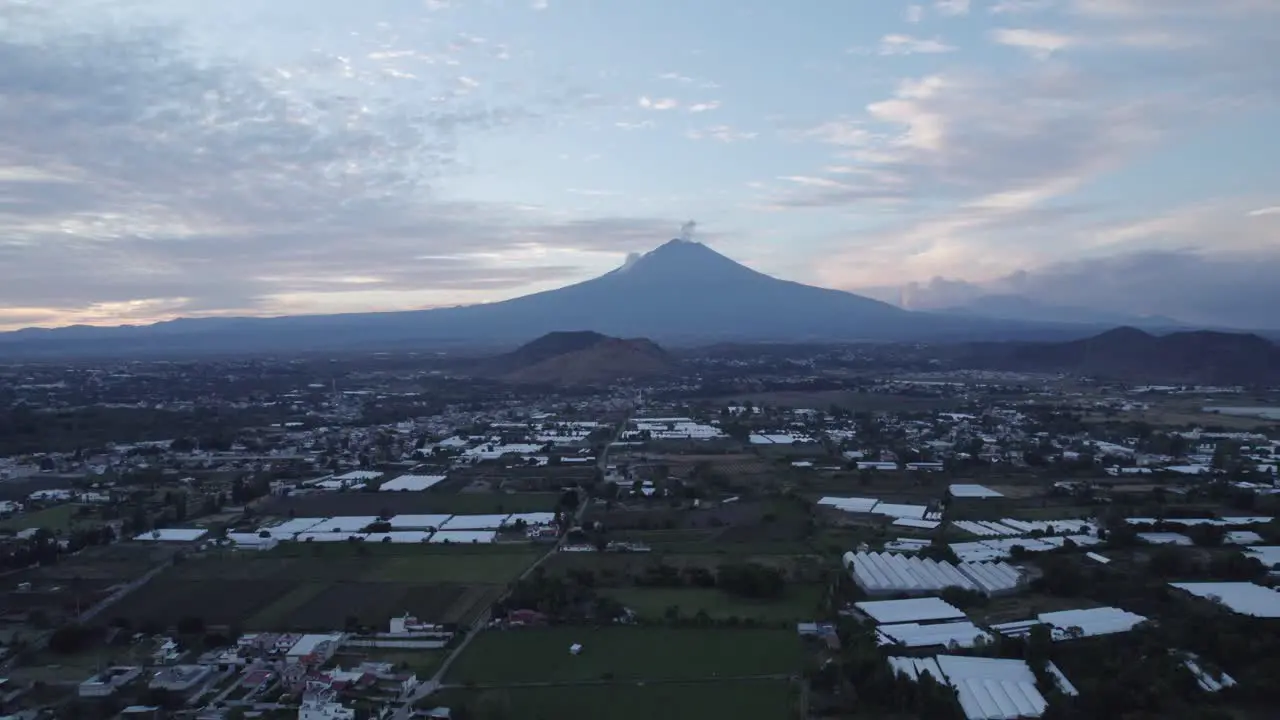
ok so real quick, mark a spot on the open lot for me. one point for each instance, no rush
(333, 504)
(651, 653)
(800, 603)
(742, 700)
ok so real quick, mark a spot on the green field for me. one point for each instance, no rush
(800, 604)
(58, 518)
(649, 653)
(746, 700)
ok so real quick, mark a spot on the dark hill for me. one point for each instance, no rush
(1197, 357)
(581, 358)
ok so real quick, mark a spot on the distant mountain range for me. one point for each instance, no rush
(580, 358)
(1126, 353)
(1020, 307)
(680, 293)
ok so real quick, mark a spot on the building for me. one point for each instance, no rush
(107, 682)
(180, 678)
(319, 703)
(314, 649)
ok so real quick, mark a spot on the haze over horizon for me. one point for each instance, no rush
(166, 158)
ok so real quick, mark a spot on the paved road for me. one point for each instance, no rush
(428, 687)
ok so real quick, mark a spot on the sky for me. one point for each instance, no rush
(166, 158)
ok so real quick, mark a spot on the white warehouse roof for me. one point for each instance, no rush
(475, 522)
(1092, 622)
(464, 536)
(892, 573)
(173, 535)
(963, 634)
(411, 483)
(965, 490)
(403, 536)
(418, 522)
(987, 688)
(915, 609)
(1244, 598)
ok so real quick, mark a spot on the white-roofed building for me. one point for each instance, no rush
(418, 522)
(459, 537)
(351, 524)
(891, 574)
(966, 490)
(399, 537)
(1070, 624)
(987, 688)
(173, 535)
(475, 522)
(1268, 555)
(850, 504)
(914, 635)
(411, 483)
(1244, 598)
(531, 518)
(1165, 538)
(910, 610)
(286, 530)
(327, 536)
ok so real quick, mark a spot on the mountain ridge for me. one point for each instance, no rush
(1203, 357)
(682, 292)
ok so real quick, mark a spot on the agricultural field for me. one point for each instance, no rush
(619, 569)
(318, 587)
(339, 504)
(626, 653)
(801, 603)
(741, 700)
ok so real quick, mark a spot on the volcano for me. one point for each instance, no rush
(682, 292)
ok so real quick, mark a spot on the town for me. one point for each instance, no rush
(773, 532)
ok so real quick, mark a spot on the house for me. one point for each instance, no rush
(107, 682)
(314, 648)
(319, 703)
(180, 678)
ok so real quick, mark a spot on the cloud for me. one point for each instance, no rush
(1018, 7)
(141, 177)
(1260, 212)
(1040, 43)
(914, 14)
(649, 103)
(642, 125)
(539, 4)
(907, 45)
(704, 107)
(952, 8)
(1235, 291)
(721, 133)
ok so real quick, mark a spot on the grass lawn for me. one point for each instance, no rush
(650, 653)
(485, 568)
(57, 518)
(747, 700)
(800, 603)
